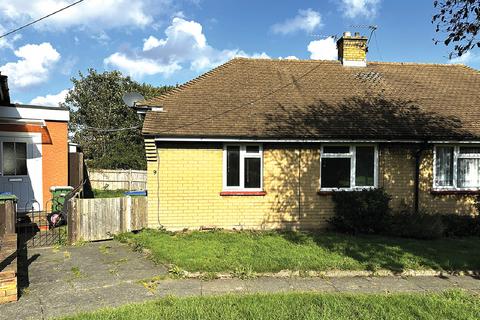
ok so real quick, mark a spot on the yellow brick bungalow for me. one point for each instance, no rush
(260, 144)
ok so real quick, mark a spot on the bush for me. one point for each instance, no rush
(417, 225)
(461, 225)
(361, 211)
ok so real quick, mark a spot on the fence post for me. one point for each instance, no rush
(72, 220)
(10, 216)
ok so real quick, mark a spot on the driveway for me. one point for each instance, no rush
(67, 280)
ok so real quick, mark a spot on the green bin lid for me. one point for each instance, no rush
(8, 197)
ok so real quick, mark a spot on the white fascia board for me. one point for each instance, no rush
(35, 113)
(179, 139)
(454, 141)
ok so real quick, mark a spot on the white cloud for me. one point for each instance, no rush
(7, 42)
(151, 43)
(324, 49)
(50, 100)
(138, 67)
(306, 20)
(92, 14)
(466, 58)
(34, 65)
(360, 8)
(288, 58)
(184, 44)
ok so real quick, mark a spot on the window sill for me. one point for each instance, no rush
(454, 191)
(331, 191)
(242, 193)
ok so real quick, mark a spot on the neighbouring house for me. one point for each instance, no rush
(260, 143)
(33, 149)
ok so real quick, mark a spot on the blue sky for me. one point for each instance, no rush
(169, 42)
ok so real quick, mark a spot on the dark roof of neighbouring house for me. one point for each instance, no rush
(312, 99)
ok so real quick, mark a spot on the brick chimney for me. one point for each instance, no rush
(4, 95)
(352, 50)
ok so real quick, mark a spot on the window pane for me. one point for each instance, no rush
(468, 173)
(253, 149)
(336, 149)
(8, 158)
(233, 166)
(252, 172)
(335, 173)
(444, 166)
(469, 150)
(364, 166)
(21, 150)
(21, 167)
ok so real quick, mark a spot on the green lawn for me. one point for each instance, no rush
(447, 305)
(221, 251)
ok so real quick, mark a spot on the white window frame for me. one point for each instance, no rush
(352, 155)
(243, 154)
(456, 156)
(1, 160)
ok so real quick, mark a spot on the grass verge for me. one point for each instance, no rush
(447, 305)
(220, 251)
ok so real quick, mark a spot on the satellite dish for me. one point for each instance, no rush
(130, 98)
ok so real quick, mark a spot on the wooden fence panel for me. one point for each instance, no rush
(102, 218)
(7, 218)
(118, 179)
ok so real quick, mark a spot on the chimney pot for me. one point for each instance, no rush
(347, 34)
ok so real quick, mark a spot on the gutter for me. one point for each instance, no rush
(261, 140)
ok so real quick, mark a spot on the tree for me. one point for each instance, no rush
(108, 131)
(460, 20)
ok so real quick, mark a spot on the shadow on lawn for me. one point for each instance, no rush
(397, 254)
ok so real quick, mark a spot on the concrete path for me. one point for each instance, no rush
(108, 274)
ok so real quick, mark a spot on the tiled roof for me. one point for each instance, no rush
(312, 99)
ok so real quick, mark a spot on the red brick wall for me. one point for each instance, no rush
(55, 158)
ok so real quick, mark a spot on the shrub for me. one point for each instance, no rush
(361, 211)
(461, 225)
(417, 225)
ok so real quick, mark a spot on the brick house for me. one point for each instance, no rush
(33, 150)
(263, 143)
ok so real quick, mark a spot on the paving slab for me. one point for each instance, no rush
(223, 286)
(311, 285)
(66, 280)
(469, 283)
(264, 284)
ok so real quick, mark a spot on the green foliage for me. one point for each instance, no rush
(291, 306)
(95, 104)
(222, 251)
(417, 225)
(361, 211)
(176, 272)
(459, 20)
(461, 225)
(99, 193)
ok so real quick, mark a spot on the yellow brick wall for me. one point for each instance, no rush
(352, 49)
(397, 168)
(188, 178)
(397, 174)
(456, 203)
(190, 181)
